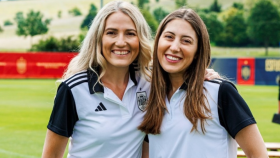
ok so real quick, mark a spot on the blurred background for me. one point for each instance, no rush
(38, 38)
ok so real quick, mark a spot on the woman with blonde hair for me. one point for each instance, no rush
(187, 116)
(100, 103)
(96, 104)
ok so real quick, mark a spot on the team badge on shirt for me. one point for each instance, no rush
(141, 100)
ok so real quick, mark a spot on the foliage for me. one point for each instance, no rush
(237, 5)
(7, 23)
(235, 30)
(159, 14)
(52, 44)
(32, 25)
(150, 20)
(90, 16)
(264, 23)
(1, 29)
(180, 3)
(141, 3)
(215, 6)
(75, 11)
(59, 14)
(214, 26)
(82, 34)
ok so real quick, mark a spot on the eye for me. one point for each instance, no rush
(168, 36)
(110, 33)
(186, 41)
(131, 33)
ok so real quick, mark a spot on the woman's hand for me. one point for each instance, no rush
(210, 74)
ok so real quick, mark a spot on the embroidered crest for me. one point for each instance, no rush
(21, 65)
(246, 72)
(141, 100)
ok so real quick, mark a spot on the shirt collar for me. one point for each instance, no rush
(184, 85)
(95, 86)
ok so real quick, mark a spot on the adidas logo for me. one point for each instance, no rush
(100, 107)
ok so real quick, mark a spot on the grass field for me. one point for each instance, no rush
(26, 105)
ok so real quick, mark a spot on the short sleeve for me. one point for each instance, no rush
(234, 113)
(64, 114)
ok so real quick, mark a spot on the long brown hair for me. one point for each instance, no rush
(195, 106)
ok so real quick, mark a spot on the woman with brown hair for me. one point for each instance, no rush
(187, 116)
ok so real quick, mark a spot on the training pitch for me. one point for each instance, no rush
(26, 105)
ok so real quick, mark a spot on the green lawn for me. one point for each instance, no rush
(26, 105)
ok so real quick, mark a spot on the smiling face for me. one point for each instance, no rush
(177, 46)
(120, 43)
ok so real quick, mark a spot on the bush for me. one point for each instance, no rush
(7, 23)
(75, 11)
(59, 14)
(52, 44)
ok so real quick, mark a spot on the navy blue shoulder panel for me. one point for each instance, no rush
(234, 113)
(64, 114)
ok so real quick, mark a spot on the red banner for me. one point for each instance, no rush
(34, 65)
(246, 71)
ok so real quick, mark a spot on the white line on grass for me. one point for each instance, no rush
(16, 154)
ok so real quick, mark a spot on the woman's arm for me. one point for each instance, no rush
(145, 150)
(251, 142)
(54, 146)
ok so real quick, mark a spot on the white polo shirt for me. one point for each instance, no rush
(99, 124)
(230, 114)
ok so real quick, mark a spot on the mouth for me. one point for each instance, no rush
(122, 52)
(172, 58)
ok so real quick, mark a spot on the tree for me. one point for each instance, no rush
(150, 20)
(32, 25)
(159, 14)
(141, 3)
(180, 3)
(235, 29)
(215, 6)
(90, 16)
(264, 23)
(214, 26)
(238, 6)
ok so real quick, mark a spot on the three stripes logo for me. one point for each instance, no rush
(100, 107)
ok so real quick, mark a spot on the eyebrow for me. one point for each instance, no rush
(117, 29)
(183, 35)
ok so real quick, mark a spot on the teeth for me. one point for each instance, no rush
(172, 58)
(121, 52)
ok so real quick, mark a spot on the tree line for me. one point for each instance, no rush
(229, 27)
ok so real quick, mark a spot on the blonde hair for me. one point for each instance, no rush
(90, 55)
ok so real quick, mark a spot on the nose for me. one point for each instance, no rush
(120, 41)
(175, 46)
